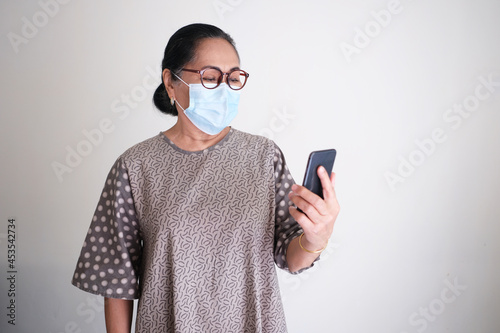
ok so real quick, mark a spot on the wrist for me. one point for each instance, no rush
(306, 246)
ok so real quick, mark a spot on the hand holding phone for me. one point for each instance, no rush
(325, 158)
(319, 216)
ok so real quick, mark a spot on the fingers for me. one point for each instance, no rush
(307, 201)
(314, 207)
(327, 183)
(302, 219)
(311, 203)
(318, 215)
(316, 231)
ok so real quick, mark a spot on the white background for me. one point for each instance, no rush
(373, 79)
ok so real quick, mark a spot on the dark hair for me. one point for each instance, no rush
(179, 51)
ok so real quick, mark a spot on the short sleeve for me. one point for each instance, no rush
(110, 257)
(286, 228)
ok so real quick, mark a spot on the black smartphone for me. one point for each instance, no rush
(317, 158)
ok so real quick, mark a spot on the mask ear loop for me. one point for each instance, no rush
(174, 101)
(177, 76)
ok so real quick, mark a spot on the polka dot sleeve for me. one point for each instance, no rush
(110, 257)
(286, 228)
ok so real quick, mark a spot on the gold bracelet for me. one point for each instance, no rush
(303, 248)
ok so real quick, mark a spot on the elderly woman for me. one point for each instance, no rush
(192, 220)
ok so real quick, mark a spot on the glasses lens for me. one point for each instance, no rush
(237, 79)
(211, 78)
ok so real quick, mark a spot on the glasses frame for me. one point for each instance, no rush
(221, 77)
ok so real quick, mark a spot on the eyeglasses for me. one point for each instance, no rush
(211, 77)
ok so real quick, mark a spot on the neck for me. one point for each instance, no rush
(190, 138)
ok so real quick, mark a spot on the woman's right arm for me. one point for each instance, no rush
(118, 315)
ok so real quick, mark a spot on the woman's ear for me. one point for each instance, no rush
(167, 81)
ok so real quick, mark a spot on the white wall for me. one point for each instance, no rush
(419, 254)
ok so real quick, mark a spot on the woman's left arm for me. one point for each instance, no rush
(316, 219)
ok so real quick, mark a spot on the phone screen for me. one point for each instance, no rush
(326, 158)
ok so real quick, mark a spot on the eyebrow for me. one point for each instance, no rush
(232, 69)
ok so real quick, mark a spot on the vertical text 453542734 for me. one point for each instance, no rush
(11, 271)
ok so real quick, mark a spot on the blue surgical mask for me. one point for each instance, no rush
(211, 110)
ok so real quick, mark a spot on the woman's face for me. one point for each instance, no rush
(215, 52)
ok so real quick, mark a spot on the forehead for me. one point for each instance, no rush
(215, 52)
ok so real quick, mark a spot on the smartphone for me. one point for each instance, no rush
(317, 158)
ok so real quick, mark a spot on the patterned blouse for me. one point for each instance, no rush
(193, 235)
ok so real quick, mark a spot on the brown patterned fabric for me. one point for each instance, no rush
(193, 235)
